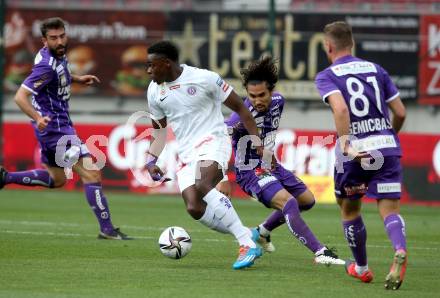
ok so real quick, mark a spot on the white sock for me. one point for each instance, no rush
(360, 269)
(263, 231)
(211, 221)
(225, 212)
(320, 251)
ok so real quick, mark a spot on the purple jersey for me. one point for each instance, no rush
(262, 185)
(267, 123)
(49, 83)
(366, 88)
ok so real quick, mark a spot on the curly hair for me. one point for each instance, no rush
(262, 70)
(165, 48)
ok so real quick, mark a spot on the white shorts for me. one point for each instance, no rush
(210, 148)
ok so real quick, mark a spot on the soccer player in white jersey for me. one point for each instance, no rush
(190, 99)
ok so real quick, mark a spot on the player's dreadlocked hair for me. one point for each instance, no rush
(51, 23)
(262, 70)
(165, 48)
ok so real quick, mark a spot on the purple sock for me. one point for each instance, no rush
(298, 227)
(395, 227)
(274, 220)
(30, 178)
(356, 235)
(98, 202)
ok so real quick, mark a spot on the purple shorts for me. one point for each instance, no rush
(384, 183)
(57, 152)
(265, 186)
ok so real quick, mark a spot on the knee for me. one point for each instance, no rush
(58, 182)
(307, 206)
(58, 179)
(280, 199)
(195, 210)
(91, 176)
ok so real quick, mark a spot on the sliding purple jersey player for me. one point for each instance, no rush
(256, 182)
(271, 183)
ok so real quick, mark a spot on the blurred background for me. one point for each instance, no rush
(110, 39)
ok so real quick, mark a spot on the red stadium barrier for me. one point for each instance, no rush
(298, 150)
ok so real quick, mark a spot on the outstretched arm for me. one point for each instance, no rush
(235, 103)
(85, 79)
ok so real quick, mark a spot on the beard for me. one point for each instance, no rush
(59, 51)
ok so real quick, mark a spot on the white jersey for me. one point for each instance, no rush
(192, 106)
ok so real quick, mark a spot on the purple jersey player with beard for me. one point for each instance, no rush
(271, 184)
(49, 84)
(368, 152)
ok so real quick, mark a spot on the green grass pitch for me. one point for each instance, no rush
(48, 248)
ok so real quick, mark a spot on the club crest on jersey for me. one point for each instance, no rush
(191, 90)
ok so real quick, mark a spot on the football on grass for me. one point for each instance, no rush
(175, 242)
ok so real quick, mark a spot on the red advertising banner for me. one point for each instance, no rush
(429, 65)
(309, 153)
(110, 44)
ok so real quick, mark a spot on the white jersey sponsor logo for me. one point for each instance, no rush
(388, 187)
(266, 180)
(374, 143)
(354, 67)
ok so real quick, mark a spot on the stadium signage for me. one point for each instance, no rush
(111, 44)
(86, 32)
(309, 153)
(429, 67)
(223, 42)
(242, 49)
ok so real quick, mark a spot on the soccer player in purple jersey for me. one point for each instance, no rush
(368, 149)
(274, 186)
(49, 85)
